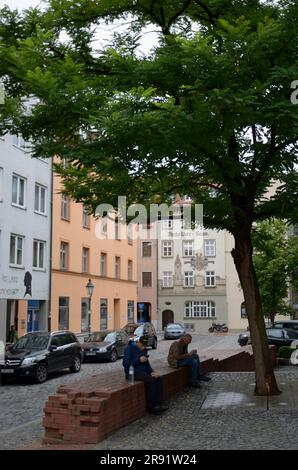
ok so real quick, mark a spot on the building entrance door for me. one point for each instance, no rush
(167, 317)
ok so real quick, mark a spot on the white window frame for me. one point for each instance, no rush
(40, 188)
(117, 267)
(188, 248)
(86, 218)
(147, 244)
(210, 279)
(210, 248)
(19, 142)
(38, 244)
(65, 254)
(188, 279)
(200, 309)
(103, 264)
(65, 207)
(147, 272)
(14, 262)
(129, 270)
(85, 259)
(167, 249)
(167, 280)
(18, 178)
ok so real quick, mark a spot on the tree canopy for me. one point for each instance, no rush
(207, 113)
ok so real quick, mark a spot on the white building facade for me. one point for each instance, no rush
(197, 281)
(25, 237)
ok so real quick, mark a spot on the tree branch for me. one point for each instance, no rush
(210, 14)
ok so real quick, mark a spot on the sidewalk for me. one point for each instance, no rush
(223, 415)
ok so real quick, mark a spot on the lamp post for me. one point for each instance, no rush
(90, 288)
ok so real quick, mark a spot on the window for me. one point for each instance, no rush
(85, 260)
(40, 199)
(188, 279)
(117, 231)
(188, 248)
(103, 264)
(65, 207)
(39, 248)
(147, 279)
(63, 313)
(16, 250)
(18, 191)
(65, 163)
(210, 280)
(187, 199)
(103, 314)
(129, 270)
(117, 267)
(146, 249)
(167, 279)
(86, 217)
(19, 141)
(209, 246)
(1, 184)
(130, 311)
(129, 234)
(243, 310)
(167, 249)
(200, 309)
(84, 315)
(64, 253)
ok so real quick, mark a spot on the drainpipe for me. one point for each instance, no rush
(51, 248)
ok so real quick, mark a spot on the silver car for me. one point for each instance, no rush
(174, 331)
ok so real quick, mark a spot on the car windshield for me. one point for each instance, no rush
(139, 331)
(31, 341)
(110, 337)
(174, 326)
(97, 337)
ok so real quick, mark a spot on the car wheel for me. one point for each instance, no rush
(154, 345)
(41, 373)
(114, 355)
(76, 365)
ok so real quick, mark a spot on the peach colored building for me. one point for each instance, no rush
(79, 255)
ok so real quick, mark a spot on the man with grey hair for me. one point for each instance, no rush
(180, 357)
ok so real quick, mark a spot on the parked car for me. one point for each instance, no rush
(82, 337)
(291, 324)
(37, 354)
(130, 328)
(147, 330)
(105, 345)
(174, 331)
(276, 336)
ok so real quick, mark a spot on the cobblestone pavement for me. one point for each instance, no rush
(21, 403)
(217, 417)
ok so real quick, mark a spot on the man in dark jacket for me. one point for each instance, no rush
(179, 357)
(136, 354)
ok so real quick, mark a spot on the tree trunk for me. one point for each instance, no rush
(242, 254)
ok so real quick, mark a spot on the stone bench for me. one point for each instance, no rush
(87, 411)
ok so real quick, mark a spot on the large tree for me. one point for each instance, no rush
(209, 107)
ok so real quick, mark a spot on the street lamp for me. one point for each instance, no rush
(90, 288)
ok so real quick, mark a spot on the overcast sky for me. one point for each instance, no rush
(104, 33)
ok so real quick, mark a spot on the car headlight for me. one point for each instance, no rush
(102, 349)
(28, 361)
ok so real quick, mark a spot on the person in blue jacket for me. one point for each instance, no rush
(136, 354)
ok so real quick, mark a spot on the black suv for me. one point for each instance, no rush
(37, 354)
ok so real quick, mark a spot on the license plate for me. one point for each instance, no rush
(90, 353)
(7, 371)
